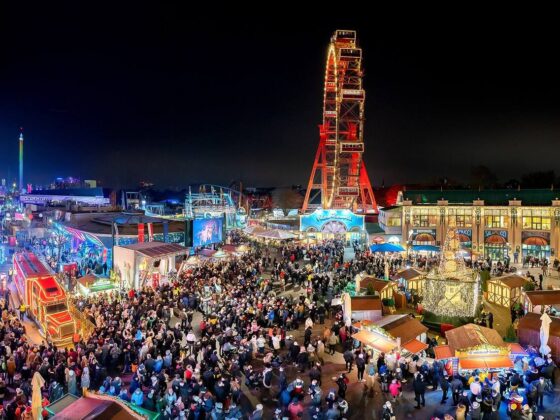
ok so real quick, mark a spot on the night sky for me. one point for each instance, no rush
(123, 94)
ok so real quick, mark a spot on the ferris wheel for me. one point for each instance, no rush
(343, 182)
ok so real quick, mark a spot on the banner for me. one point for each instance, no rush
(150, 232)
(140, 232)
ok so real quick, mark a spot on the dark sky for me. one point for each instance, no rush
(125, 93)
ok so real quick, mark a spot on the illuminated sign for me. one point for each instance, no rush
(350, 53)
(325, 220)
(352, 147)
(348, 191)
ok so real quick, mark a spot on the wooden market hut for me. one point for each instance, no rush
(361, 308)
(387, 333)
(534, 300)
(474, 347)
(528, 332)
(411, 279)
(506, 290)
(410, 331)
(384, 288)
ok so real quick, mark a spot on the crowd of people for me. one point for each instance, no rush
(198, 347)
(187, 348)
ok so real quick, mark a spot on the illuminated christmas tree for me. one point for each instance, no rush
(451, 263)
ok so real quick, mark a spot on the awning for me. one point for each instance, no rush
(374, 340)
(443, 352)
(489, 362)
(415, 346)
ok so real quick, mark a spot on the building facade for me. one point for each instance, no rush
(492, 223)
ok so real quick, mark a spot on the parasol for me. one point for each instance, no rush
(544, 349)
(37, 398)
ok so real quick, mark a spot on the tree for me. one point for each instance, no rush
(540, 179)
(483, 177)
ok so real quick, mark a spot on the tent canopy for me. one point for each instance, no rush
(427, 248)
(386, 247)
(276, 234)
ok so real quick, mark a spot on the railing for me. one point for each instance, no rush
(84, 326)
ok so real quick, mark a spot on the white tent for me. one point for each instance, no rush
(252, 230)
(276, 234)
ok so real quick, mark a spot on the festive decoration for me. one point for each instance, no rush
(377, 329)
(451, 289)
(339, 174)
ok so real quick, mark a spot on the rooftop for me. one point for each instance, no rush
(156, 249)
(472, 335)
(534, 197)
(405, 327)
(544, 297)
(512, 281)
(532, 321)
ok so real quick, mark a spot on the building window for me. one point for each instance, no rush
(463, 217)
(424, 217)
(536, 219)
(496, 218)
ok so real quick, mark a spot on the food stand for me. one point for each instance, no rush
(473, 347)
(506, 290)
(91, 284)
(392, 332)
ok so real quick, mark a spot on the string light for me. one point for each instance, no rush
(451, 289)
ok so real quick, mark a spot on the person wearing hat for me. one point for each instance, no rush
(388, 413)
(257, 414)
(475, 409)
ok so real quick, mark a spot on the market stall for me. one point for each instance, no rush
(400, 332)
(383, 288)
(528, 332)
(91, 284)
(534, 300)
(147, 263)
(506, 290)
(361, 307)
(410, 279)
(473, 347)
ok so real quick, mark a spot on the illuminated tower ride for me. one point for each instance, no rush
(21, 159)
(339, 175)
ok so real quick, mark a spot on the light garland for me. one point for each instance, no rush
(377, 329)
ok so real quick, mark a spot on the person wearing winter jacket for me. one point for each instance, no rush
(137, 397)
(419, 390)
(361, 366)
(395, 389)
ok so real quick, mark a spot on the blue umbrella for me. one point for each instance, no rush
(387, 247)
(429, 248)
